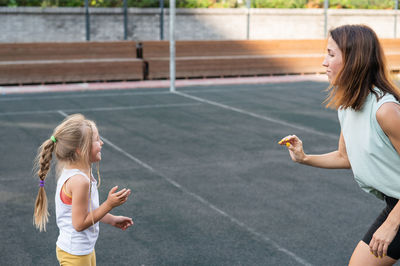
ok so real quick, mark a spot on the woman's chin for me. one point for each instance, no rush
(329, 77)
(330, 80)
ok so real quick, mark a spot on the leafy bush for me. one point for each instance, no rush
(194, 3)
(279, 3)
(21, 2)
(145, 3)
(362, 4)
(359, 4)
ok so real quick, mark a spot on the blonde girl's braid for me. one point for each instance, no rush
(75, 132)
(43, 160)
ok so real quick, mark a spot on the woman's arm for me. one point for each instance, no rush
(333, 160)
(388, 117)
(81, 218)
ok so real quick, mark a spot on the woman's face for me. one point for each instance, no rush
(333, 60)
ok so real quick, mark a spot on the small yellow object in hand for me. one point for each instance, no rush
(287, 144)
(282, 140)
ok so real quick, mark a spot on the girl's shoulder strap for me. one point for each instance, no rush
(67, 173)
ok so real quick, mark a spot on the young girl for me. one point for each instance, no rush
(369, 113)
(76, 145)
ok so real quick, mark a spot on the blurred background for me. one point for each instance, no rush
(109, 20)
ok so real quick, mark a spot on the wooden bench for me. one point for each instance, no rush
(392, 52)
(23, 63)
(245, 58)
(235, 58)
(26, 63)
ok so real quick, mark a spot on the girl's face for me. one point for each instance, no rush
(333, 60)
(97, 143)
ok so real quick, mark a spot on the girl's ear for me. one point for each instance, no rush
(78, 151)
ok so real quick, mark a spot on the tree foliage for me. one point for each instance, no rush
(354, 4)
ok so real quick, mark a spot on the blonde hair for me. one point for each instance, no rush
(73, 144)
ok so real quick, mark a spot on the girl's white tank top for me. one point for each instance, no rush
(70, 240)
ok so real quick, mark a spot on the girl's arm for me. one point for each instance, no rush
(334, 160)
(81, 218)
(388, 116)
(121, 222)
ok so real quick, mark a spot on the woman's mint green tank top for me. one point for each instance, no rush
(374, 160)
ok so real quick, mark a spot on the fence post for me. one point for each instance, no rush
(326, 6)
(172, 5)
(161, 20)
(248, 3)
(396, 8)
(87, 20)
(125, 20)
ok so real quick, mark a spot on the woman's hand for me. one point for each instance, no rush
(121, 222)
(295, 147)
(118, 198)
(382, 238)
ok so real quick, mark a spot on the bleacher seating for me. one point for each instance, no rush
(25, 63)
(235, 58)
(22, 63)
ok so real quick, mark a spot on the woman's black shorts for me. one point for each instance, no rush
(394, 247)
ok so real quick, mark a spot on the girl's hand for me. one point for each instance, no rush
(122, 222)
(382, 238)
(118, 198)
(295, 147)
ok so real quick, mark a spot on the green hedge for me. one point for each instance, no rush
(357, 4)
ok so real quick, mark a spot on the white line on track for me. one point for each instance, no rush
(28, 112)
(114, 94)
(117, 108)
(263, 117)
(61, 112)
(82, 95)
(202, 100)
(204, 201)
(146, 84)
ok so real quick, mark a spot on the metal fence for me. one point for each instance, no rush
(248, 6)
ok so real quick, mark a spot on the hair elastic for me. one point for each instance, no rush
(53, 139)
(41, 183)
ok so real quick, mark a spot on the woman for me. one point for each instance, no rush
(369, 114)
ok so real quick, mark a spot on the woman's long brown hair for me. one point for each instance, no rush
(364, 67)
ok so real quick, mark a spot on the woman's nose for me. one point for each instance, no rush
(325, 62)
